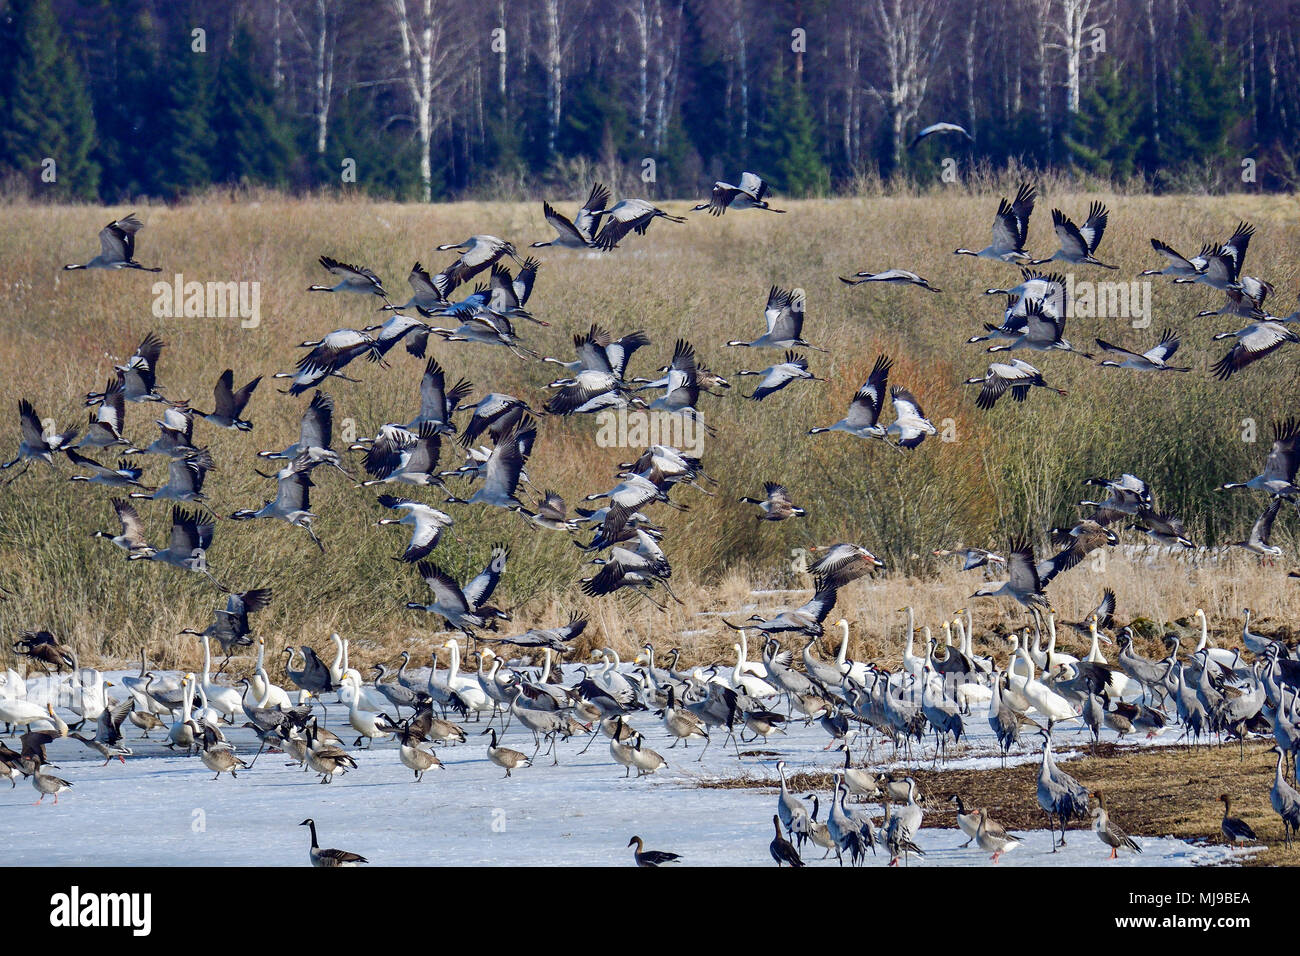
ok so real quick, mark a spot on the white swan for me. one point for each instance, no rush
(1042, 698)
(366, 723)
(181, 732)
(757, 668)
(750, 684)
(224, 700)
(911, 663)
(467, 689)
(855, 669)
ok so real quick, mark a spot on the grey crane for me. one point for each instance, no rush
(1278, 477)
(1018, 376)
(748, 195)
(479, 253)
(579, 232)
(351, 278)
(893, 276)
(1059, 794)
(138, 376)
(123, 475)
(1023, 583)
(1254, 342)
(864, 411)
(185, 478)
(291, 502)
(1154, 359)
(1010, 228)
(427, 524)
(630, 215)
(784, 314)
(778, 376)
(1079, 243)
(117, 247)
(315, 434)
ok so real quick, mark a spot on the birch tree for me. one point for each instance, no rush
(427, 62)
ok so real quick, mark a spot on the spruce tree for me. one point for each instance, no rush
(785, 148)
(1106, 138)
(253, 145)
(47, 109)
(182, 153)
(1203, 118)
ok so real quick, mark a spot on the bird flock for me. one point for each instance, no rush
(554, 697)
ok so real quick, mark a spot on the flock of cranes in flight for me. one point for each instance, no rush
(628, 544)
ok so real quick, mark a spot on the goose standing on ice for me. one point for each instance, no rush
(992, 836)
(329, 857)
(1109, 833)
(646, 857)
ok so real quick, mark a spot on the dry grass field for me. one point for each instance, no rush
(705, 280)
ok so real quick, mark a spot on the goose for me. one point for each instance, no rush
(784, 314)
(896, 276)
(330, 857)
(1179, 265)
(1285, 799)
(1254, 342)
(117, 247)
(429, 293)
(326, 759)
(1235, 830)
(629, 215)
(1220, 269)
(682, 724)
(479, 252)
(1109, 833)
(104, 429)
(778, 376)
(1278, 477)
(748, 195)
(1261, 531)
(1018, 376)
(646, 857)
(291, 502)
(645, 760)
(1010, 229)
(48, 785)
(185, 477)
(934, 128)
(1078, 244)
(1154, 359)
(218, 756)
(351, 278)
(1164, 527)
(992, 836)
(1023, 582)
(968, 823)
(413, 758)
(504, 756)
(34, 444)
(580, 232)
(228, 404)
(864, 410)
(842, 563)
(781, 849)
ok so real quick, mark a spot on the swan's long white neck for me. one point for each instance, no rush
(843, 654)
